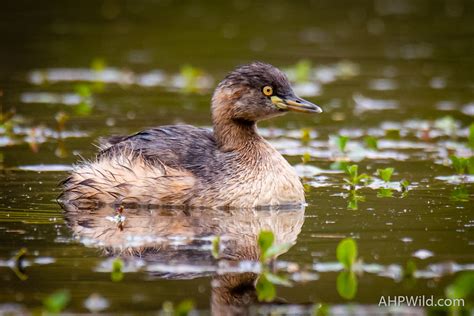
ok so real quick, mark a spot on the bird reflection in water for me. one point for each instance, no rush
(176, 243)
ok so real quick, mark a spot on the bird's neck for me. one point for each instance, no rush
(234, 134)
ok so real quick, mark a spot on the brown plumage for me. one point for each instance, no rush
(184, 165)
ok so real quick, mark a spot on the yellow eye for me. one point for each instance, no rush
(267, 90)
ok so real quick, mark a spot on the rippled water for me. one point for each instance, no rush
(400, 71)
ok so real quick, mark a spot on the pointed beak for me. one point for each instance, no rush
(295, 104)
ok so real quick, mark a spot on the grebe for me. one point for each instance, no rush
(231, 166)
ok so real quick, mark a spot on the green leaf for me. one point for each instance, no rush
(305, 135)
(276, 279)
(275, 250)
(302, 70)
(341, 142)
(462, 287)
(347, 284)
(216, 244)
(266, 291)
(57, 301)
(265, 241)
(339, 165)
(352, 171)
(470, 136)
(98, 64)
(404, 184)
(385, 174)
(371, 142)
(184, 308)
(347, 252)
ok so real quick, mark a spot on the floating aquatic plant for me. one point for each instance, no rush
(386, 175)
(371, 142)
(305, 135)
(306, 157)
(216, 245)
(117, 270)
(340, 141)
(462, 165)
(354, 178)
(56, 302)
(183, 308)
(470, 137)
(346, 252)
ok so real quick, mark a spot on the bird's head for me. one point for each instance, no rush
(257, 91)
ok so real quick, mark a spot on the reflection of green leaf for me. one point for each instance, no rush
(216, 244)
(347, 284)
(347, 252)
(275, 250)
(83, 109)
(184, 308)
(265, 241)
(57, 301)
(83, 90)
(266, 291)
(339, 165)
(384, 193)
(404, 184)
(117, 267)
(371, 142)
(462, 287)
(354, 200)
(98, 64)
(276, 279)
(385, 174)
(460, 194)
(320, 310)
(306, 157)
(410, 269)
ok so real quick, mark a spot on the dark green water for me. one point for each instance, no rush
(391, 69)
